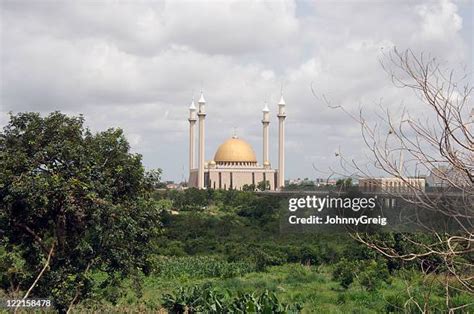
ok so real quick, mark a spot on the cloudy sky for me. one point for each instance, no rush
(137, 65)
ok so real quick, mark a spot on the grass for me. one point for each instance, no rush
(311, 286)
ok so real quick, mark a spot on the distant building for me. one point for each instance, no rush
(299, 181)
(173, 186)
(443, 176)
(391, 185)
(295, 181)
(325, 182)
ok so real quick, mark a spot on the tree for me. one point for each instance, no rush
(248, 187)
(263, 185)
(344, 183)
(153, 179)
(444, 141)
(72, 201)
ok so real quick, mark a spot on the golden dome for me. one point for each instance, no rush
(235, 150)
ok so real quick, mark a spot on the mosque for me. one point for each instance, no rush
(235, 164)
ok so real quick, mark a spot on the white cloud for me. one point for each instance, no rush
(439, 21)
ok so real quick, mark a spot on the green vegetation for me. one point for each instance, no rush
(80, 214)
(232, 250)
(199, 267)
(71, 202)
(211, 300)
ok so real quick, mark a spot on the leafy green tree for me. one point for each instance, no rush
(263, 185)
(195, 199)
(80, 198)
(344, 183)
(190, 199)
(248, 187)
(153, 178)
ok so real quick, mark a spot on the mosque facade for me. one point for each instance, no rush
(234, 164)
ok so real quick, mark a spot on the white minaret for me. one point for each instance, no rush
(202, 116)
(265, 123)
(281, 143)
(192, 122)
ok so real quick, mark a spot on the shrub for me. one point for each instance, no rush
(373, 274)
(344, 272)
(263, 259)
(369, 273)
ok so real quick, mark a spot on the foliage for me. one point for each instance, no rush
(153, 179)
(189, 199)
(264, 258)
(344, 183)
(344, 272)
(405, 244)
(373, 274)
(13, 268)
(370, 274)
(205, 299)
(83, 193)
(263, 185)
(199, 267)
(248, 187)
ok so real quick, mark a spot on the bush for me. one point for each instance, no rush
(369, 273)
(344, 272)
(373, 275)
(263, 258)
